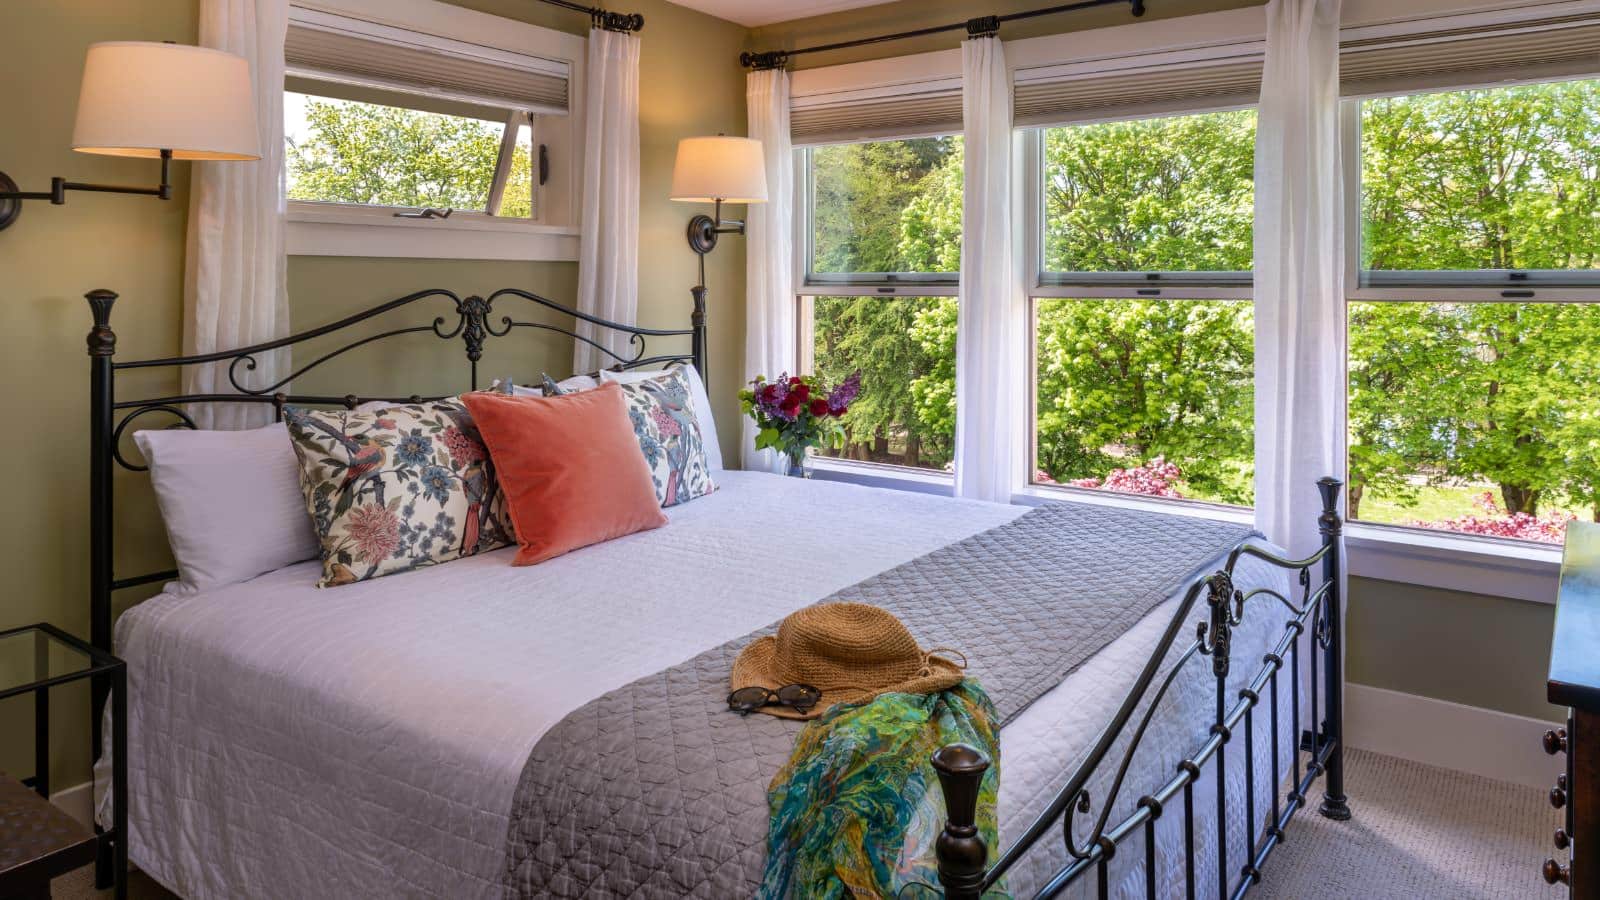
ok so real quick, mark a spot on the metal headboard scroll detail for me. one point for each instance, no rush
(474, 323)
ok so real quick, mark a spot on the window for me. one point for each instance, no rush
(397, 156)
(1474, 402)
(1143, 342)
(883, 266)
(448, 109)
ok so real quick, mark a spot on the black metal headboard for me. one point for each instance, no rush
(475, 323)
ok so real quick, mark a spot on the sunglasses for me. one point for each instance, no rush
(798, 697)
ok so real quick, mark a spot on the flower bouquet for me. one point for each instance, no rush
(797, 413)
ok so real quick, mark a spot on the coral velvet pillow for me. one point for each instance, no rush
(570, 467)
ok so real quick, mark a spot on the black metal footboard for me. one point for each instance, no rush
(1315, 621)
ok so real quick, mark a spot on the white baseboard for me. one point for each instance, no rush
(77, 801)
(1468, 739)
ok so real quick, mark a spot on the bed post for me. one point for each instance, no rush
(102, 344)
(1334, 802)
(959, 848)
(697, 320)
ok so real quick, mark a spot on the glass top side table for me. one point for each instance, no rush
(38, 841)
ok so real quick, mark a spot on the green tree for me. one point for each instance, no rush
(1493, 179)
(387, 156)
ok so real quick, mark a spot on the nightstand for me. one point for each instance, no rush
(38, 842)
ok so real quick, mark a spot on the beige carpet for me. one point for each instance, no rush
(1418, 832)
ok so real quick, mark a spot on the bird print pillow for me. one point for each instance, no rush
(669, 436)
(395, 489)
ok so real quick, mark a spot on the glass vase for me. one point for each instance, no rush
(795, 464)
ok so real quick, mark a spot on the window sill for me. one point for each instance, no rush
(901, 478)
(352, 232)
(1430, 559)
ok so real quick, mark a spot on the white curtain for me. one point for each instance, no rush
(988, 364)
(234, 276)
(608, 243)
(1299, 272)
(770, 335)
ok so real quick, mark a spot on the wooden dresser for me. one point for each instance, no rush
(1575, 684)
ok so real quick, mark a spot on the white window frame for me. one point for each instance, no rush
(341, 229)
(1177, 287)
(907, 285)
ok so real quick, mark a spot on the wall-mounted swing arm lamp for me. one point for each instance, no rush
(716, 170)
(155, 101)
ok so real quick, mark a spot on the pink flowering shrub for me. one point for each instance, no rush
(1155, 478)
(1493, 522)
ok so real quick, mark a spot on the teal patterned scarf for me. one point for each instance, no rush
(857, 807)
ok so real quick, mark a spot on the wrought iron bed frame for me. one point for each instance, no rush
(110, 417)
(961, 851)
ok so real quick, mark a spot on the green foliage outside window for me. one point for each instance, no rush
(377, 155)
(1445, 401)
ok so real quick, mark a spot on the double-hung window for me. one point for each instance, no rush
(1474, 367)
(1142, 336)
(882, 265)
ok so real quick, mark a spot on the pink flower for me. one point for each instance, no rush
(375, 529)
(463, 449)
(665, 423)
(1494, 523)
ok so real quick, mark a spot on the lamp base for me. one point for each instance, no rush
(9, 208)
(702, 234)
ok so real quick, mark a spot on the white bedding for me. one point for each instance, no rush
(365, 740)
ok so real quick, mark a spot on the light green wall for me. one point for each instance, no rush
(689, 84)
(1466, 648)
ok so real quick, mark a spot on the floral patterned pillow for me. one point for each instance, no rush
(669, 435)
(395, 489)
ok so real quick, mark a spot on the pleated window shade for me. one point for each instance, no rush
(921, 110)
(1148, 85)
(1467, 55)
(335, 48)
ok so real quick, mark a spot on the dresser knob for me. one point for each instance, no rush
(1561, 781)
(1554, 872)
(1562, 840)
(1558, 797)
(1555, 741)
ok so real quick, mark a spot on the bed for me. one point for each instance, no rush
(368, 740)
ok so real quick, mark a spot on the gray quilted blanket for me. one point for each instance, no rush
(656, 790)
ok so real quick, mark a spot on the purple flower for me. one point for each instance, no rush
(845, 394)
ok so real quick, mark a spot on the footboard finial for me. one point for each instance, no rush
(960, 850)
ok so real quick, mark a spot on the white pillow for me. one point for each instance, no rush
(575, 383)
(231, 502)
(697, 396)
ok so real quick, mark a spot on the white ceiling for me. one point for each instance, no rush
(751, 13)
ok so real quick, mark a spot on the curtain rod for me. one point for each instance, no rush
(982, 26)
(610, 21)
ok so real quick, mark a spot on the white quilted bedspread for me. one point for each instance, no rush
(365, 741)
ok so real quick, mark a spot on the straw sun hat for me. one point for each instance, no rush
(849, 651)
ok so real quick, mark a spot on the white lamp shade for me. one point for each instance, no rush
(731, 169)
(140, 98)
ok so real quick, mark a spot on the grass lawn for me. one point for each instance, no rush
(1434, 503)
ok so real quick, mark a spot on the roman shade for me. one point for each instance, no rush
(910, 110)
(1458, 51)
(329, 47)
(1140, 85)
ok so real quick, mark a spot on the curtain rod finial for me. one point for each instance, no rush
(769, 59)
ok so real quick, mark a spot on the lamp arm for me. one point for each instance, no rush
(59, 187)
